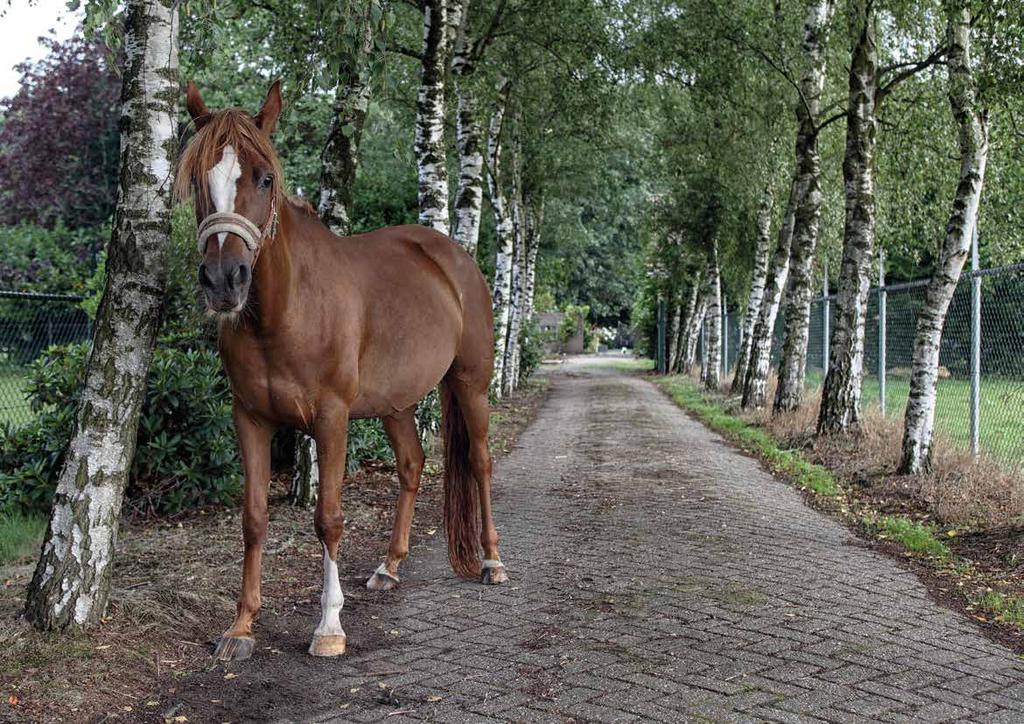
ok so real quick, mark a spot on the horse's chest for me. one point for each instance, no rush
(281, 393)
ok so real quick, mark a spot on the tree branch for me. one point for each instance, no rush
(907, 70)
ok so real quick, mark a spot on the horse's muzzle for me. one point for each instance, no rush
(225, 285)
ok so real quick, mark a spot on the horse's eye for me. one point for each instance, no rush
(267, 181)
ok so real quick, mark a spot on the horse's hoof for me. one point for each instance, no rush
(234, 648)
(328, 644)
(493, 573)
(382, 580)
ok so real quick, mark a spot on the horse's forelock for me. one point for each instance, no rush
(232, 127)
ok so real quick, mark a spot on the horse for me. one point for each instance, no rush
(315, 330)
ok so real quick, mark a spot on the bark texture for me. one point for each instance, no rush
(510, 372)
(469, 141)
(694, 325)
(505, 234)
(341, 152)
(71, 584)
(711, 374)
(758, 279)
(793, 365)
(755, 386)
(840, 410)
(683, 333)
(972, 123)
(439, 16)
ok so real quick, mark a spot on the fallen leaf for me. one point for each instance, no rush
(229, 675)
(435, 697)
(12, 700)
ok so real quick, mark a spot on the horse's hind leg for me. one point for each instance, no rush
(401, 431)
(476, 412)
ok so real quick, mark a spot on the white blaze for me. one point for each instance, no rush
(223, 182)
(331, 600)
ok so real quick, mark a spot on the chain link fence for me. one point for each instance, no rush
(29, 323)
(979, 402)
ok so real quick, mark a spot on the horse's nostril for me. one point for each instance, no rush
(204, 277)
(238, 277)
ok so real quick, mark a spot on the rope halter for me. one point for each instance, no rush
(229, 222)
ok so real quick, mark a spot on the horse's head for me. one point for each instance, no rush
(233, 174)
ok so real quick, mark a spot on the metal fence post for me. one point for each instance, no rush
(881, 330)
(724, 324)
(824, 320)
(975, 345)
(661, 336)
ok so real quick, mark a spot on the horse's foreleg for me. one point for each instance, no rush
(254, 442)
(401, 431)
(477, 414)
(331, 433)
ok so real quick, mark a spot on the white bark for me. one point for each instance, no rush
(758, 279)
(972, 122)
(71, 585)
(793, 365)
(683, 333)
(693, 326)
(840, 400)
(711, 374)
(505, 236)
(438, 17)
(469, 141)
(755, 387)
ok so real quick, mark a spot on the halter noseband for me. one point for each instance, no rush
(229, 222)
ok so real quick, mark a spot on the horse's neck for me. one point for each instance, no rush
(274, 282)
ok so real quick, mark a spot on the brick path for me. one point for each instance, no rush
(657, 574)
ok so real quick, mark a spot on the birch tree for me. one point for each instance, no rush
(515, 307)
(758, 279)
(71, 584)
(439, 16)
(711, 374)
(972, 124)
(807, 207)
(504, 232)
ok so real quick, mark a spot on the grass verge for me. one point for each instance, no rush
(20, 536)
(921, 541)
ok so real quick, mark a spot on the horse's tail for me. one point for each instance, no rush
(461, 498)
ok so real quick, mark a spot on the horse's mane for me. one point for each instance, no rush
(303, 205)
(231, 127)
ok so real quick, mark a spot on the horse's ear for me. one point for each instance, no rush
(196, 108)
(266, 119)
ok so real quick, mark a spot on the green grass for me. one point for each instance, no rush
(915, 537)
(805, 475)
(640, 364)
(14, 405)
(1002, 410)
(20, 536)
(1005, 608)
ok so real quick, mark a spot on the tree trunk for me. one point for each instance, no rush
(840, 400)
(511, 373)
(534, 217)
(757, 285)
(683, 333)
(469, 141)
(505, 237)
(755, 387)
(71, 585)
(341, 152)
(972, 122)
(438, 18)
(793, 365)
(693, 326)
(711, 374)
(672, 332)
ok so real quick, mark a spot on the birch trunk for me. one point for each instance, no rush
(972, 122)
(683, 334)
(341, 152)
(793, 365)
(758, 279)
(505, 238)
(71, 585)
(511, 371)
(712, 372)
(469, 141)
(841, 398)
(534, 217)
(755, 387)
(694, 327)
(672, 334)
(438, 17)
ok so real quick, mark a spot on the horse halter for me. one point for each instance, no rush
(228, 221)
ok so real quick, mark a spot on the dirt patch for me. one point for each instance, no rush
(174, 591)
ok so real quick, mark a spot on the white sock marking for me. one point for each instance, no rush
(223, 183)
(331, 601)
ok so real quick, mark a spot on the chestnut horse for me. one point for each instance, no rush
(316, 330)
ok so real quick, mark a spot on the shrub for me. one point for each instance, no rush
(531, 349)
(55, 261)
(186, 452)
